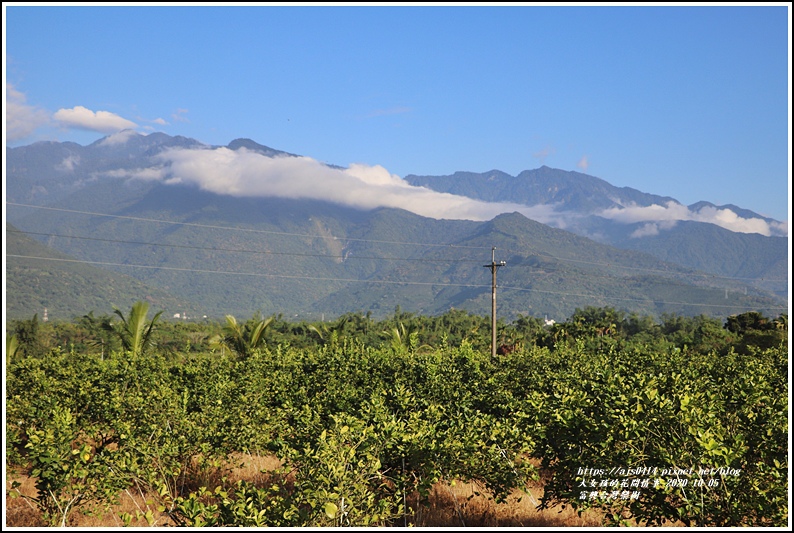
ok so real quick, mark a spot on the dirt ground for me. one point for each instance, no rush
(457, 505)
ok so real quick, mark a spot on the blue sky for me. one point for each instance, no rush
(688, 102)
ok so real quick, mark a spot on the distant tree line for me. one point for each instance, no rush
(595, 327)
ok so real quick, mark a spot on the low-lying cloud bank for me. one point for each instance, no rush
(659, 218)
(118, 139)
(246, 173)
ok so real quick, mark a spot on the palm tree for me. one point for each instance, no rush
(330, 334)
(97, 329)
(404, 340)
(399, 338)
(12, 346)
(243, 339)
(134, 331)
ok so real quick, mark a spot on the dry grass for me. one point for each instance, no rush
(467, 505)
(464, 505)
(457, 505)
(18, 511)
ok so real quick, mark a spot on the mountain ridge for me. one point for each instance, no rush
(311, 257)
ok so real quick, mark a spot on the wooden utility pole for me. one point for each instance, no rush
(493, 266)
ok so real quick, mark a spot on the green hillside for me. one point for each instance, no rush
(67, 288)
(311, 259)
(548, 272)
(749, 256)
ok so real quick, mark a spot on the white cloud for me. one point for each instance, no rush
(246, 173)
(101, 121)
(68, 163)
(583, 163)
(118, 138)
(22, 119)
(160, 121)
(673, 211)
(647, 230)
(780, 227)
(653, 228)
(179, 115)
(544, 153)
(147, 174)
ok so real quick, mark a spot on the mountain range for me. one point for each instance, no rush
(245, 229)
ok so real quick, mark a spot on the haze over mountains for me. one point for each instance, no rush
(246, 228)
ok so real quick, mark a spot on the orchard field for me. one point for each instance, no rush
(681, 420)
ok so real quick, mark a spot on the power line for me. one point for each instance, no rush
(555, 293)
(238, 250)
(251, 230)
(296, 254)
(254, 274)
(306, 235)
(658, 280)
(657, 270)
(354, 280)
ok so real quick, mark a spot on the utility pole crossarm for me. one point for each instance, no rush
(493, 266)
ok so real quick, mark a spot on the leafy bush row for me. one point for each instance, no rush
(361, 429)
